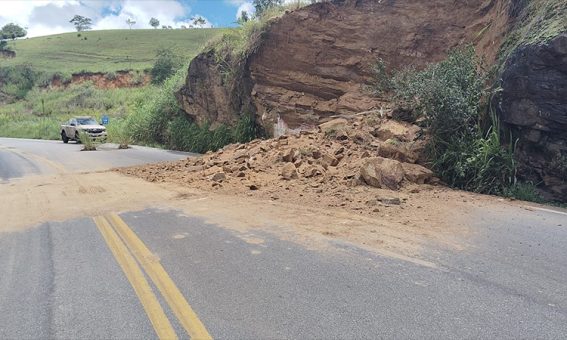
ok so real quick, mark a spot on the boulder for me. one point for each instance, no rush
(391, 129)
(219, 177)
(533, 104)
(334, 126)
(329, 160)
(290, 155)
(416, 173)
(382, 172)
(396, 150)
(289, 171)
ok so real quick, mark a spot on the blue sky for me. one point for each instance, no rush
(43, 17)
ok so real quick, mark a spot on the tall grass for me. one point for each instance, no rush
(42, 111)
(24, 126)
(465, 147)
(158, 119)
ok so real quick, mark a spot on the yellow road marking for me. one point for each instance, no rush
(136, 277)
(181, 308)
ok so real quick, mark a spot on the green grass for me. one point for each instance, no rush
(106, 51)
(42, 111)
(25, 126)
(537, 21)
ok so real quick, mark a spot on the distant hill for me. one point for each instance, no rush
(106, 51)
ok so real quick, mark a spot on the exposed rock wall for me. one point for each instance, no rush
(315, 62)
(534, 105)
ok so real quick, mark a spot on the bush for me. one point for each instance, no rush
(20, 80)
(165, 66)
(87, 141)
(110, 76)
(448, 97)
(523, 192)
(188, 136)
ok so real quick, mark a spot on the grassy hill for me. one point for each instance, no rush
(106, 51)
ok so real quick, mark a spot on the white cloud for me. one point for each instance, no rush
(245, 6)
(43, 17)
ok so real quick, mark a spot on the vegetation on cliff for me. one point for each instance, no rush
(534, 22)
(157, 120)
(464, 144)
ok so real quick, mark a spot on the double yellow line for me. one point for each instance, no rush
(131, 253)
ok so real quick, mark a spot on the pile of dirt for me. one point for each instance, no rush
(362, 163)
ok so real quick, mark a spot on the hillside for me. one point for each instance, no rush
(314, 63)
(105, 51)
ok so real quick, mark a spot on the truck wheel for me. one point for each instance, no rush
(77, 138)
(64, 137)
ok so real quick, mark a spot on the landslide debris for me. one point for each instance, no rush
(359, 163)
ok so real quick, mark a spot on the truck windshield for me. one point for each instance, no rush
(86, 121)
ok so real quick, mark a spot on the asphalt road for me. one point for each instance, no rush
(77, 279)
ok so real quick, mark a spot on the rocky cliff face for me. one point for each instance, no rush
(534, 105)
(315, 62)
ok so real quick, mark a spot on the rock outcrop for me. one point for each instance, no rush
(316, 62)
(534, 106)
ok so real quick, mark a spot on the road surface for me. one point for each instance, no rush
(161, 272)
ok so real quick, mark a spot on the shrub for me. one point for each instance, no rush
(118, 133)
(188, 136)
(19, 79)
(110, 76)
(165, 66)
(448, 97)
(523, 191)
(87, 141)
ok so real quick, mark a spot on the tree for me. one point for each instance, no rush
(263, 5)
(198, 22)
(130, 22)
(244, 17)
(3, 44)
(81, 23)
(13, 31)
(165, 65)
(154, 22)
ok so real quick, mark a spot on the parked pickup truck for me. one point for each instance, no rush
(71, 129)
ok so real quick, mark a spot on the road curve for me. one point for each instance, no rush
(126, 274)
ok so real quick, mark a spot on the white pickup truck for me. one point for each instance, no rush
(72, 128)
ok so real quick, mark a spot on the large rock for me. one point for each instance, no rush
(289, 171)
(382, 173)
(316, 62)
(416, 173)
(333, 126)
(533, 104)
(397, 150)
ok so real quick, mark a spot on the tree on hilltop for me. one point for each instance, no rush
(154, 22)
(130, 22)
(198, 22)
(12, 31)
(81, 23)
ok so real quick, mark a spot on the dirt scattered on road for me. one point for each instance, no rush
(345, 181)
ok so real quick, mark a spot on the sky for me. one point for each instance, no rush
(44, 17)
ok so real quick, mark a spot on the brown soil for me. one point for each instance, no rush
(317, 195)
(101, 80)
